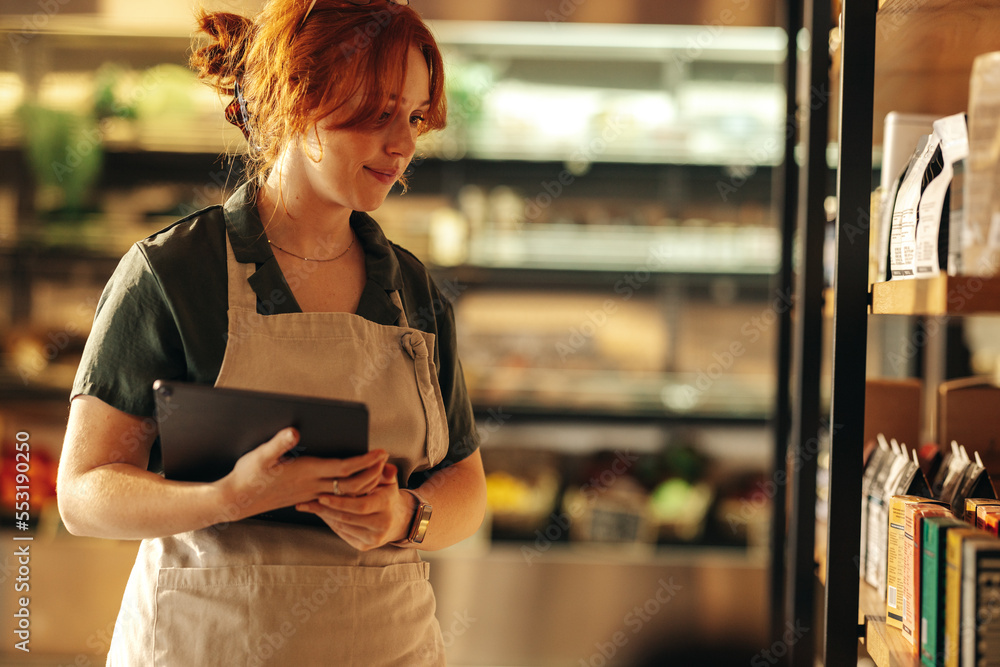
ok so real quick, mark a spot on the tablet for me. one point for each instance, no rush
(205, 429)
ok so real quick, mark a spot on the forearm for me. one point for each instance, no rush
(122, 501)
(458, 497)
(104, 489)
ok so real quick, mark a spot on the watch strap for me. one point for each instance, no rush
(418, 523)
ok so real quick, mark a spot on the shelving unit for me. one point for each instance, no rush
(616, 66)
(914, 58)
(940, 295)
(885, 645)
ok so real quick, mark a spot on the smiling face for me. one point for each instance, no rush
(354, 169)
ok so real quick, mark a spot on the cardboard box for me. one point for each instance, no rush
(953, 591)
(932, 589)
(969, 413)
(897, 552)
(986, 515)
(979, 627)
(913, 542)
(972, 505)
(892, 407)
(992, 524)
(878, 523)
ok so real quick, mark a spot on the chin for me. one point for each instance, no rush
(369, 204)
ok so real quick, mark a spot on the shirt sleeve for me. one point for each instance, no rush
(133, 342)
(463, 438)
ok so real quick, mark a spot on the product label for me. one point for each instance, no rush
(903, 238)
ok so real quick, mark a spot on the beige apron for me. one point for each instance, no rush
(262, 593)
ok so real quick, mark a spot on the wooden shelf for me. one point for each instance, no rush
(924, 53)
(940, 295)
(885, 645)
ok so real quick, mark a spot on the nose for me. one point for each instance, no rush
(401, 138)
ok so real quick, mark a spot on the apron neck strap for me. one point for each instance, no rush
(394, 295)
(240, 293)
(242, 296)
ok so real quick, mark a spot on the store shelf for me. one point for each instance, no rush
(924, 53)
(692, 249)
(649, 395)
(940, 295)
(910, 57)
(885, 645)
(579, 93)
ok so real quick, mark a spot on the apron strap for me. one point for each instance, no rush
(394, 295)
(240, 293)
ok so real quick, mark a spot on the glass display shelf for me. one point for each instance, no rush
(580, 93)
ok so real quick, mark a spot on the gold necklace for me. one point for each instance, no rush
(313, 259)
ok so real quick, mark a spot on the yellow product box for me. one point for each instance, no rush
(992, 523)
(953, 590)
(983, 514)
(972, 506)
(897, 553)
(912, 543)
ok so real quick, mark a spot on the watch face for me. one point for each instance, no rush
(420, 522)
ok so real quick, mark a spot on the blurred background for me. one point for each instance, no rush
(601, 211)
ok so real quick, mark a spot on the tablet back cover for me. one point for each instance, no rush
(204, 430)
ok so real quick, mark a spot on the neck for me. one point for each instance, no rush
(297, 220)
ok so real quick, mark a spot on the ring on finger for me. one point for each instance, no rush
(336, 487)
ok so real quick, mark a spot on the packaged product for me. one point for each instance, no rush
(903, 235)
(932, 587)
(915, 514)
(953, 620)
(933, 211)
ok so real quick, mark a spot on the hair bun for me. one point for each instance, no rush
(222, 60)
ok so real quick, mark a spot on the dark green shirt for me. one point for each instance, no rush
(163, 314)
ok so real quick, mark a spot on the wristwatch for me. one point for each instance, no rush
(421, 519)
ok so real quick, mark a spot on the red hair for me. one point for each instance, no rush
(294, 73)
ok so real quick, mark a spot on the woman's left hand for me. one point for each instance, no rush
(368, 521)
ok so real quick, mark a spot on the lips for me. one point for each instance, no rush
(387, 175)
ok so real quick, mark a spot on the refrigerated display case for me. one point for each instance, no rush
(599, 211)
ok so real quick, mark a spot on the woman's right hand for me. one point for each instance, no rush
(267, 477)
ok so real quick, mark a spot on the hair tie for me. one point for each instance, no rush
(236, 111)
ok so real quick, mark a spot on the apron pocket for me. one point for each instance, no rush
(296, 615)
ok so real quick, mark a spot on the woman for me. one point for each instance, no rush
(289, 287)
